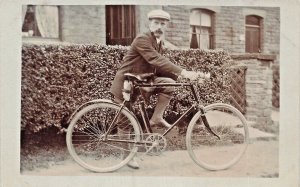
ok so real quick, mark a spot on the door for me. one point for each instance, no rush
(252, 40)
(120, 24)
(253, 34)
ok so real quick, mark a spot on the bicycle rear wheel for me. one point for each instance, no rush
(207, 150)
(86, 141)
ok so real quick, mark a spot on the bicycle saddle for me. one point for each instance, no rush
(144, 77)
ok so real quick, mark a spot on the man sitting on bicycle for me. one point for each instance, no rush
(145, 56)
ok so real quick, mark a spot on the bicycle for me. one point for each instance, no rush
(103, 136)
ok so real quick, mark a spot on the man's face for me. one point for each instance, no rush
(158, 26)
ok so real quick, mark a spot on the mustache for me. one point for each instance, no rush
(158, 31)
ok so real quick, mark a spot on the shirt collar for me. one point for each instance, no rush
(158, 40)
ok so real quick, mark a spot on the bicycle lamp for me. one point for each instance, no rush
(126, 90)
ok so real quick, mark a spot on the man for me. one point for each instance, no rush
(145, 56)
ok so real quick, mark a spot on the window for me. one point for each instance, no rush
(120, 24)
(40, 21)
(201, 29)
(253, 34)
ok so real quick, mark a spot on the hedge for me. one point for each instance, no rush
(57, 79)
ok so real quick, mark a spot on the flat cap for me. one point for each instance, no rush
(159, 14)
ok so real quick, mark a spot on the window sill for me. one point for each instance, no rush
(259, 56)
(40, 41)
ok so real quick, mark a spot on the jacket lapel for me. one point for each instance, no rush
(157, 47)
(153, 41)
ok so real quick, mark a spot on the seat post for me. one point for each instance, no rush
(145, 117)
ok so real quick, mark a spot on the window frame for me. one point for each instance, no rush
(211, 29)
(40, 38)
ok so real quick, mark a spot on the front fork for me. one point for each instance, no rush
(205, 122)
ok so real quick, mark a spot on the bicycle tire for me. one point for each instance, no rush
(205, 149)
(85, 137)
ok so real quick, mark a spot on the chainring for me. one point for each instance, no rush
(155, 144)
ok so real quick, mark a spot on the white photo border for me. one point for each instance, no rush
(10, 100)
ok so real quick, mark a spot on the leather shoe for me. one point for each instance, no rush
(159, 124)
(133, 164)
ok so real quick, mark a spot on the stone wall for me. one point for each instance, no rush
(259, 83)
(87, 24)
(179, 26)
(230, 28)
(83, 24)
(229, 23)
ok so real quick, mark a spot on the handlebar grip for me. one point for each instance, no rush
(204, 75)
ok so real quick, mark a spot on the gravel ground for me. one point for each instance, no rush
(260, 160)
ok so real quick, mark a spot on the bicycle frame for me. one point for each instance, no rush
(196, 106)
(191, 109)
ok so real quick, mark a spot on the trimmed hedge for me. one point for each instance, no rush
(57, 79)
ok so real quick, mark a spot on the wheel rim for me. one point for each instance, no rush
(209, 152)
(85, 138)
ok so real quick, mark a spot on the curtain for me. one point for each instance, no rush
(47, 20)
(24, 10)
(204, 38)
(199, 37)
(194, 40)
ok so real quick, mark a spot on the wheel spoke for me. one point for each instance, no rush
(87, 132)
(118, 147)
(93, 130)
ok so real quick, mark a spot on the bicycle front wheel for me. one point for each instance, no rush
(206, 149)
(86, 139)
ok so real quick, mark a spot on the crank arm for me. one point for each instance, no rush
(141, 157)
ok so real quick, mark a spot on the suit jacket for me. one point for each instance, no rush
(144, 56)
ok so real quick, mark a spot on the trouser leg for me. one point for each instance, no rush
(161, 105)
(163, 100)
(124, 133)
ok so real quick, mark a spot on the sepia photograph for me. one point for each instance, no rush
(145, 94)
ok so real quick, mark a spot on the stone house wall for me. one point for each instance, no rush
(83, 24)
(179, 26)
(229, 23)
(259, 82)
(230, 29)
(87, 24)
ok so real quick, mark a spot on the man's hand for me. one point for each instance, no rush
(193, 75)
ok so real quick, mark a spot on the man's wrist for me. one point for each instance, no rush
(183, 72)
